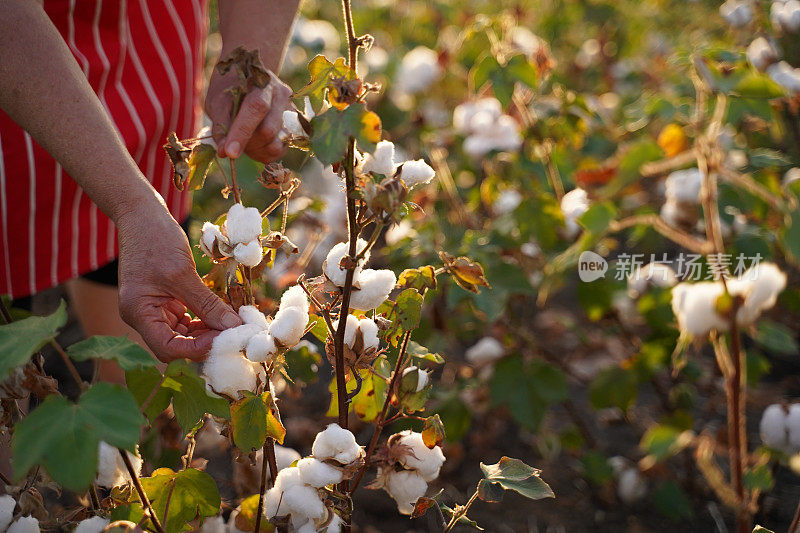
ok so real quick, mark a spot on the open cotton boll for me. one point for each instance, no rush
(331, 266)
(95, 524)
(416, 172)
(418, 69)
(335, 525)
(486, 350)
(316, 34)
(786, 15)
(381, 160)
(652, 274)
(426, 461)
(285, 456)
(24, 524)
(369, 333)
(230, 373)
(761, 53)
(111, 469)
(294, 296)
(737, 13)
(785, 75)
(209, 234)
(350, 329)
(422, 376)
(318, 474)
(375, 286)
(289, 325)
(694, 307)
(261, 347)
(337, 444)
(793, 427)
(574, 204)
(249, 254)
(631, 486)
(7, 504)
(291, 123)
(501, 135)
(251, 315)
(464, 114)
(406, 487)
(233, 340)
(507, 201)
(243, 224)
(772, 427)
(760, 285)
(684, 185)
(288, 478)
(303, 500)
(215, 524)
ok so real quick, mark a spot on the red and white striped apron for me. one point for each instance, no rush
(144, 59)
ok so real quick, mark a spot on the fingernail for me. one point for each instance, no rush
(230, 320)
(234, 149)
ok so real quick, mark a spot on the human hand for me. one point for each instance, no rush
(257, 126)
(158, 282)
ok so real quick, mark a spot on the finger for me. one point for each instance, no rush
(276, 149)
(206, 305)
(272, 124)
(166, 343)
(255, 107)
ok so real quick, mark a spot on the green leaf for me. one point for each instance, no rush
(417, 351)
(527, 388)
(418, 278)
(663, 441)
(21, 339)
(369, 400)
(333, 128)
(190, 493)
(672, 502)
(302, 362)
(758, 478)
(320, 328)
(614, 387)
(322, 72)
(775, 337)
(513, 474)
(596, 468)
(63, 436)
(757, 85)
(182, 387)
(448, 512)
(125, 352)
(489, 491)
(253, 419)
(597, 218)
(503, 77)
(433, 431)
(199, 162)
(405, 314)
(790, 239)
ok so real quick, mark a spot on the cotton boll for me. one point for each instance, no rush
(233, 340)
(251, 315)
(786, 15)
(792, 176)
(294, 296)
(289, 325)
(422, 376)
(507, 201)
(416, 172)
(426, 461)
(418, 70)
(406, 487)
(785, 75)
(369, 333)
(337, 444)
(793, 427)
(291, 123)
(285, 456)
(772, 427)
(316, 34)
(7, 504)
(761, 53)
(230, 373)
(249, 254)
(736, 13)
(215, 524)
(631, 486)
(464, 115)
(318, 474)
(288, 478)
(766, 282)
(243, 224)
(684, 185)
(24, 524)
(302, 500)
(96, 524)
(331, 266)
(380, 161)
(500, 134)
(335, 525)
(272, 503)
(574, 204)
(694, 307)
(399, 231)
(375, 286)
(653, 274)
(350, 329)
(111, 469)
(486, 350)
(261, 347)
(209, 234)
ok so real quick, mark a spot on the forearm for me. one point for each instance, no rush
(43, 89)
(262, 24)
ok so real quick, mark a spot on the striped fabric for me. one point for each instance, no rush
(144, 59)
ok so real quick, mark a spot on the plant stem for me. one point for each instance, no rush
(461, 512)
(140, 491)
(237, 196)
(92, 497)
(795, 520)
(267, 458)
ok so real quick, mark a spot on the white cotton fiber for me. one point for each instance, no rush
(350, 329)
(291, 123)
(631, 486)
(285, 456)
(287, 478)
(375, 286)
(486, 350)
(303, 500)
(574, 204)
(214, 524)
(273, 504)
(243, 224)
(422, 376)
(426, 461)
(369, 333)
(406, 487)
(793, 427)
(232, 341)
(288, 325)
(249, 254)
(230, 373)
(261, 347)
(331, 266)
(653, 274)
(465, 115)
(208, 235)
(418, 70)
(760, 285)
(335, 525)
(416, 172)
(381, 161)
(24, 524)
(111, 470)
(772, 427)
(95, 524)
(684, 185)
(317, 473)
(7, 504)
(694, 307)
(251, 315)
(294, 296)
(337, 444)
